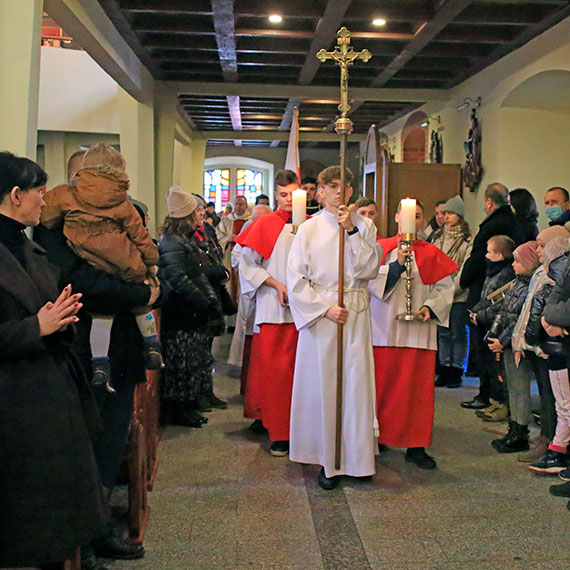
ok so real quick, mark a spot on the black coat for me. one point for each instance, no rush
(557, 309)
(505, 321)
(499, 273)
(500, 222)
(50, 501)
(192, 303)
(535, 335)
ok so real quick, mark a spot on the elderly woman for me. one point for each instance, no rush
(191, 314)
(454, 239)
(50, 499)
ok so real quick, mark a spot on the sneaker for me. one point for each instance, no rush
(474, 404)
(551, 464)
(499, 414)
(538, 450)
(326, 483)
(279, 448)
(153, 355)
(101, 374)
(560, 490)
(419, 457)
(565, 474)
(257, 427)
(490, 408)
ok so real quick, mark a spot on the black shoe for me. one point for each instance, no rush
(443, 377)
(516, 439)
(551, 464)
(419, 457)
(326, 483)
(382, 448)
(258, 427)
(279, 448)
(475, 404)
(561, 490)
(202, 404)
(215, 402)
(153, 355)
(112, 546)
(92, 563)
(101, 373)
(189, 418)
(455, 377)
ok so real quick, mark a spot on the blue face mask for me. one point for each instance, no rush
(553, 212)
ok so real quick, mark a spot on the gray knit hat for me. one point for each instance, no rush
(455, 205)
(179, 203)
(555, 248)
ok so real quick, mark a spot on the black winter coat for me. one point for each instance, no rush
(499, 273)
(192, 303)
(535, 334)
(50, 501)
(500, 222)
(505, 321)
(557, 309)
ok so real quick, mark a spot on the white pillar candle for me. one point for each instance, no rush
(299, 206)
(408, 216)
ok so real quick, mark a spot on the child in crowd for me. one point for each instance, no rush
(519, 371)
(554, 259)
(103, 227)
(499, 272)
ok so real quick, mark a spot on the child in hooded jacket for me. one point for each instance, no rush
(103, 227)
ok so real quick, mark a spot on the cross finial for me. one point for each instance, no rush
(344, 56)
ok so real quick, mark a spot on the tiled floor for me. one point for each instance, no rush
(221, 501)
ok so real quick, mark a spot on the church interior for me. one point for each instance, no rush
(204, 95)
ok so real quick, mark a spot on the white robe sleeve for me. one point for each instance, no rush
(377, 286)
(236, 256)
(307, 306)
(251, 274)
(440, 299)
(224, 231)
(363, 251)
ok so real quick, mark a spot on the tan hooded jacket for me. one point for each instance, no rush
(101, 225)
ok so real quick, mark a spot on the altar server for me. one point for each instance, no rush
(262, 270)
(312, 281)
(405, 351)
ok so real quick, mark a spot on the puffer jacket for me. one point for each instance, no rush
(534, 333)
(191, 303)
(557, 309)
(499, 273)
(505, 321)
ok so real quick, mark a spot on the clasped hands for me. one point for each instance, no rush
(56, 316)
(551, 330)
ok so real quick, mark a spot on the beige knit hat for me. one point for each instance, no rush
(179, 203)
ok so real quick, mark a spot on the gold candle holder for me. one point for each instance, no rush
(294, 229)
(406, 243)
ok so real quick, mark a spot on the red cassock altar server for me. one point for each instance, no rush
(263, 274)
(405, 351)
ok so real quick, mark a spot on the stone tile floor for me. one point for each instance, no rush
(222, 502)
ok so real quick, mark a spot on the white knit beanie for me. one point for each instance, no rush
(179, 203)
(554, 249)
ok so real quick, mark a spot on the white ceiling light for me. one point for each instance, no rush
(379, 22)
(275, 19)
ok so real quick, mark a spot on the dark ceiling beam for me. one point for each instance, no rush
(446, 14)
(308, 34)
(521, 15)
(199, 7)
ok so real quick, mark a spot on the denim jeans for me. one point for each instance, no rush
(452, 340)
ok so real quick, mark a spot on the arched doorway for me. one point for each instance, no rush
(415, 138)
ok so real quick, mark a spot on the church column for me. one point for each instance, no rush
(165, 124)
(137, 146)
(20, 49)
(196, 176)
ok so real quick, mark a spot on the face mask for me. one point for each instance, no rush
(553, 212)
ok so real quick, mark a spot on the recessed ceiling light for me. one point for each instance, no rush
(275, 19)
(379, 22)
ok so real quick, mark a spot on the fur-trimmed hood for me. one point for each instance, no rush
(102, 186)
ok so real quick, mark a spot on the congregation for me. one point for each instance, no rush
(78, 331)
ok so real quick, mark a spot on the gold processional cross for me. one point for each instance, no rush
(344, 56)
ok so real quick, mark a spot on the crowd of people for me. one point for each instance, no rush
(78, 332)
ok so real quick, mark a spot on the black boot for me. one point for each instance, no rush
(184, 415)
(516, 439)
(419, 457)
(326, 483)
(443, 378)
(455, 377)
(215, 402)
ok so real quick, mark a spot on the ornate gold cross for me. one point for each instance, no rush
(344, 56)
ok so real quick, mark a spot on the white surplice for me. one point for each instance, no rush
(385, 305)
(255, 269)
(312, 283)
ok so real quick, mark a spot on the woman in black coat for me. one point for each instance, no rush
(526, 212)
(191, 313)
(50, 498)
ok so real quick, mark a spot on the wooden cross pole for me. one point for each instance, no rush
(344, 56)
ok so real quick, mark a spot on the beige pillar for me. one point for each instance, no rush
(137, 146)
(55, 159)
(196, 172)
(185, 154)
(20, 43)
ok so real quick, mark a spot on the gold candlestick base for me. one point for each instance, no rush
(294, 229)
(408, 317)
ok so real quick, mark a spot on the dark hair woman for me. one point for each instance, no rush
(526, 212)
(191, 313)
(50, 498)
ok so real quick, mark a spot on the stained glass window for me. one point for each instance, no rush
(217, 187)
(249, 183)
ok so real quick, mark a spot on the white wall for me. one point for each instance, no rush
(76, 94)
